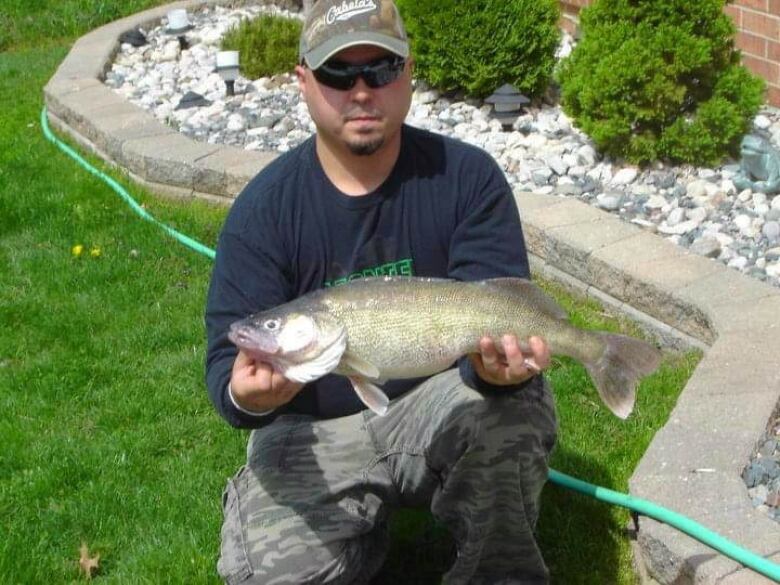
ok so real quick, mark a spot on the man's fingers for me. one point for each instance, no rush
(531, 365)
(257, 386)
(515, 358)
(283, 385)
(243, 360)
(510, 361)
(511, 347)
(489, 354)
(524, 360)
(540, 352)
(537, 355)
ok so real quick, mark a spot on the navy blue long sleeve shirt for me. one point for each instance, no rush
(445, 210)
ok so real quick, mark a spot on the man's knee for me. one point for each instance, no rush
(521, 420)
(297, 564)
(526, 417)
(281, 545)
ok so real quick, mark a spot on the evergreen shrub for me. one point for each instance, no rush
(659, 80)
(268, 45)
(478, 45)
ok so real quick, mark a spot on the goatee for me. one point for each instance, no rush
(365, 148)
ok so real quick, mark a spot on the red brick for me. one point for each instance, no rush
(573, 7)
(570, 12)
(774, 7)
(751, 44)
(761, 24)
(736, 14)
(569, 25)
(755, 4)
(773, 95)
(766, 69)
(773, 51)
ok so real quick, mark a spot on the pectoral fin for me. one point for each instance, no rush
(361, 366)
(372, 396)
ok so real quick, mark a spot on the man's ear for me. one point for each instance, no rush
(300, 74)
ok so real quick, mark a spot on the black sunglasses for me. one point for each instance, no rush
(378, 73)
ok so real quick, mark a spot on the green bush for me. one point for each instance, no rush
(659, 79)
(478, 45)
(268, 45)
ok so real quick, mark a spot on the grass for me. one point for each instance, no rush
(583, 541)
(31, 23)
(107, 435)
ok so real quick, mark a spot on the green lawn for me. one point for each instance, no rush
(107, 436)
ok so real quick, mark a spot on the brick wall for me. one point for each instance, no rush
(758, 36)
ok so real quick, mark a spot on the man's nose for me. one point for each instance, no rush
(360, 91)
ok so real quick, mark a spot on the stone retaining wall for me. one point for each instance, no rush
(685, 299)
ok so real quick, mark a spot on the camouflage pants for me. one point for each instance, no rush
(310, 506)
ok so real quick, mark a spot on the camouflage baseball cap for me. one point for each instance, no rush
(333, 25)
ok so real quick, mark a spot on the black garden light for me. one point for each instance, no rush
(227, 67)
(192, 100)
(134, 37)
(178, 24)
(508, 104)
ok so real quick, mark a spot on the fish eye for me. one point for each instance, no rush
(272, 324)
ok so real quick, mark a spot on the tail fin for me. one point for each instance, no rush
(617, 372)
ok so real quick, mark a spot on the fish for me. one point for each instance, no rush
(380, 328)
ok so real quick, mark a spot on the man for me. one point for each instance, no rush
(367, 196)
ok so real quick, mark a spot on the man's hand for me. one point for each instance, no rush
(509, 364)
(257, 387)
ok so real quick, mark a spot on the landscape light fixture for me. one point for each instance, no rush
(227, 67)
(178, 24)
(192, 99)
(508, 104)
(133, 37)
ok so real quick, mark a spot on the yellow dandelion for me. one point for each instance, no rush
(95, 252)
(77, 250)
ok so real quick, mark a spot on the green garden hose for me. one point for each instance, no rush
(186, 240)
(637, 505)
(673, 519)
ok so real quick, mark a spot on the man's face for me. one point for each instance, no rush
(361, 118)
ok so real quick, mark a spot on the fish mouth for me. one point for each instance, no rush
(246, 338)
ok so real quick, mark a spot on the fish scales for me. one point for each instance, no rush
(420, 330)
(404, 327)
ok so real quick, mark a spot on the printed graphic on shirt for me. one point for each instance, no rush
(404, 267)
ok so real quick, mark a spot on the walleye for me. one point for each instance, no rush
(376, 329)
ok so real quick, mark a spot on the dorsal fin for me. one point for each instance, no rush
(532, 293)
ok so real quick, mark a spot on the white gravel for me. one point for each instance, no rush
(697, 208)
